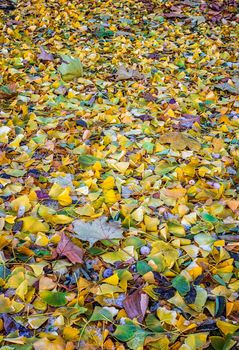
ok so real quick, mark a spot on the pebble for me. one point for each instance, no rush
(107, 273)
(145, 250)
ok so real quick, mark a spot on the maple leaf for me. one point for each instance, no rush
(70, 250)
(97, 230)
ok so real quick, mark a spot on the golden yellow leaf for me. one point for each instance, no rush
(21, 201)
(226, 327)
(71, 333)
(34, 225)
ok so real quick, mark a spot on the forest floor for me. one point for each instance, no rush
(119, 181)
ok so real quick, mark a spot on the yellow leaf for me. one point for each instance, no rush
(55, 191)
(42, 240)
(108, 183)
(174, 193)
(64, 198)
(169, 253)
(114, 279)
(70, 333)
(5, 305)
(195, 341)
(151, 223)
(61, 194)
(15, 143)
(110, 197)
(107, 289)
(86, 210)
(38, 268)
(60, 219)
(22, 289)
(138, 214)
(167, 316)
(34, 225)
(36, 321)
(10, 219)
(179, 141)
(21, 201)
(226, 327)
(16, 278)
(170, 113)
(121, 166)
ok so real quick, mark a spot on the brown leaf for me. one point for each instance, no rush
(136, 305)
(45, 56)
(70, 250)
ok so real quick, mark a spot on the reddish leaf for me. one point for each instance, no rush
(70, 250)
(136, 305)
(45, 56)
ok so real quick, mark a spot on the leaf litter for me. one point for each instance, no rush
(119, 201)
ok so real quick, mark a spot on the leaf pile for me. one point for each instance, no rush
(119, 182)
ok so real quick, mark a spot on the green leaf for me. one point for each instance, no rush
(97, 230)
(71, 69)
(154, 324)
(54, 298)
(125, 332)
(142, 267)
(220, 306)
(4, 272)
(15, 172)
(208, 217)
(87, 160)
(181, 284)
(101, 314)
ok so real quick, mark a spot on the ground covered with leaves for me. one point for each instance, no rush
(119, 203)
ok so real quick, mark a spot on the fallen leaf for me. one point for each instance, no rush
(97, 230)
(124, 73)
(136, 305)
(45, 56)
(44, 343)
(179, 141)
(71, 68)
(70, 250)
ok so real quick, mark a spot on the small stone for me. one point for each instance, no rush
(82, 123)
(107, 273)
(216, 155)
(145, 250)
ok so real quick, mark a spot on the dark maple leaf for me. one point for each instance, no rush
(70, 250)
